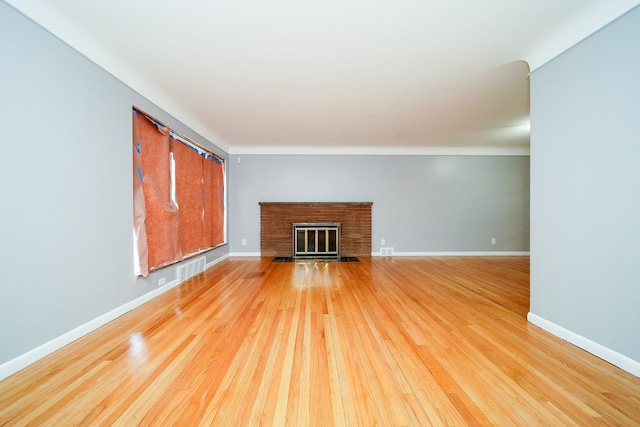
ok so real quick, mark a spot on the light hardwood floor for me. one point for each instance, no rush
(387, 341)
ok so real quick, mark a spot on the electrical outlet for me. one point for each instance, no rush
(383, 242)
(162, 281)
(244, 242)
(493, 240)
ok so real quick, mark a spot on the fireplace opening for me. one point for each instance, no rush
(316, 240)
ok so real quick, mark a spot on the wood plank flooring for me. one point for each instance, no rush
(387, 341)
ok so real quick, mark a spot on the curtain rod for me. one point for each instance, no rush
(171, 131)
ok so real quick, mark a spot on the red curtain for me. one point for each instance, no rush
(207, 201)
(166, 231)
(189, 195)
(156, 221)
(218, 202)
(213, 179)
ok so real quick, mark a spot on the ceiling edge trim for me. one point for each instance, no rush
(69, 33)
(382, 151)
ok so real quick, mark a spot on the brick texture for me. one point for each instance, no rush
(277, 218)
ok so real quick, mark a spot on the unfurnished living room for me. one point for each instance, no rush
(320, 213)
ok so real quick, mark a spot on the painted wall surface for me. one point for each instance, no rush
(585, 188)
(420, 203)
(66, 245)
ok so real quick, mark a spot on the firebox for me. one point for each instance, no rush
(316, 240)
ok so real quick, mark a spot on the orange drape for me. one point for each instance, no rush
(189, 195)
(207, 201)
(218, 202)
(213, 179)
(167, 231)
(156, 217)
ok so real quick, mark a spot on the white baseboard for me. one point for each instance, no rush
(429, 254)
(216, 261)
(620, 360)
(245, 254)
(258, 254)
(14, 365)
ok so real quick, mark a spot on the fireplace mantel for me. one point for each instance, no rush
(277, 218)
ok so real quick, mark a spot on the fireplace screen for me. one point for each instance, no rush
(316, 240)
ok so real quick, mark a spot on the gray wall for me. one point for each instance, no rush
(420, 203)
(585, 188)
(66, 251)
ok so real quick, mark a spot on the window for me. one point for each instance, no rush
(178, 196)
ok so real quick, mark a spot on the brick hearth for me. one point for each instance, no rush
(277, 218)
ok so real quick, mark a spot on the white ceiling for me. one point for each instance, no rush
(333, 76)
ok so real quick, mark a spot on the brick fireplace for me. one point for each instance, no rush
(277, 219)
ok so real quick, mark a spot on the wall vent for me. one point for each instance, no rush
(189, 269)
(386, 251)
